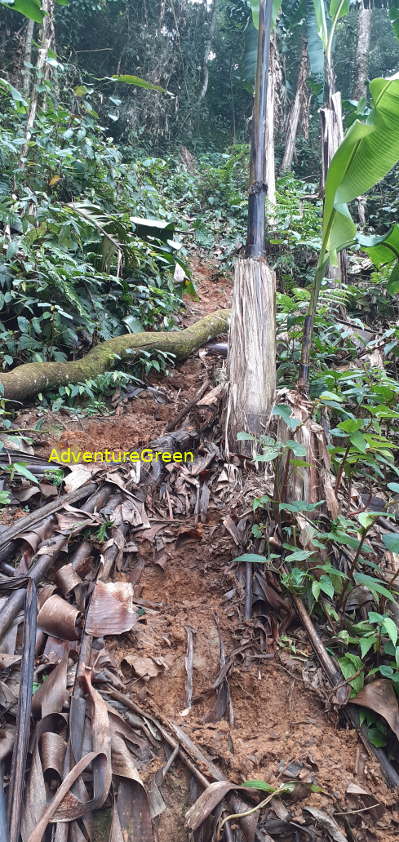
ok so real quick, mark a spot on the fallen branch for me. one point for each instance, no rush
(334, 678)
(186, 409)
(21, 745)
(29, 379)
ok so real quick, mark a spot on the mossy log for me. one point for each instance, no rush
(30, 378)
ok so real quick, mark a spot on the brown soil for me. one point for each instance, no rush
(277, 719)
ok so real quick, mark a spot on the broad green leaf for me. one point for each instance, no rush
(366, 519)
(393, 12)
(381, 250)
(23, 471)
(316, 55)
(367, 153)
(321, 21)
(252, 557)
(139, 83)
(16, 95)
(285, 413)
(28, 8)
(338, 9)
(254, 6)
(330, 396)
(327, 585)
(351, 425)
(349, 665)
(260, 785)
(359, 442)
(245, 437)
(391, 629)
(300, 506)
(299, 555)
(260, 502)
(296, 448)
(329, 568)
(269, 454)
(316, 589)
(391, 540)
(366, 643)
(374, 585)
(393, 486)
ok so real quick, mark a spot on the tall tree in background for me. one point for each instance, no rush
(361, 75)
(208, 49)
(26, 72)
(362, 51)
(296, 109)
(271, 128)
(41, 70)
(252, 355)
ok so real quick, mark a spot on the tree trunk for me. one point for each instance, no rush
(252, 351)
(29, 379)
(208, 49)
(332, 133)
(296, 110)
(27, 70)
(362, 52)
(252, 355)
(270, 133)
(360, 89)
(46, 36)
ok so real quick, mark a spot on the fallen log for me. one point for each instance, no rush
(28, 379)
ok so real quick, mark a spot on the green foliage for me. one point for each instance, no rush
(76, 272)
(368, 151)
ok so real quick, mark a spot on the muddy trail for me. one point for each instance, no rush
(248, 694)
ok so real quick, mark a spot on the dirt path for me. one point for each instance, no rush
(273, 726)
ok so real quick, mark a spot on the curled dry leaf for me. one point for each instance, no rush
(111, 609)
(59, 619)
(207, 802)
(355, 791)
(52, 752)
(79, 475)
(67, 579)
(380, 697)
(327, 823)
(52, 693)
(65, 805)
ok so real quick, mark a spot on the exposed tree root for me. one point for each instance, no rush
(29, 379)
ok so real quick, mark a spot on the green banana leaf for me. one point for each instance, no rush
(393, 12)
(367, 153)
(254, 6)
(28, 8)
(383, 251)
(321, 21)
(338, 9)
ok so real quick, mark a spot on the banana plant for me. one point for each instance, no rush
(384, 251)
(367, 153)
(30, 9)
(327, 23)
